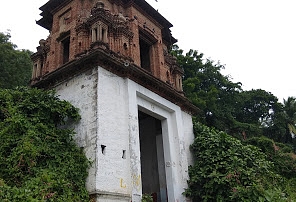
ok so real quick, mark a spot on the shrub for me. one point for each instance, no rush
(280, 154)
(227, 170)
(39, 159)
(147, 198)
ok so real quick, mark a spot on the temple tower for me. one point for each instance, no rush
(110, 59)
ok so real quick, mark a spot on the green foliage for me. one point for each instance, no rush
(227, 107)
(203, 83)
(15, 65)
(147, 198)
(281, 155)
(224, 104)
(39, 159)
(255, 105)
(289, 114)
(281, 126)
(227, 170)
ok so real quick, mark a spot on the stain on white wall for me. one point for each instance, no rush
(109, 133)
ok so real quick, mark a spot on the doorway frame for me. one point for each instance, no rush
(176, 164)
(159, 146)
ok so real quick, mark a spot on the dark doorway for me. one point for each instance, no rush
(152, 157)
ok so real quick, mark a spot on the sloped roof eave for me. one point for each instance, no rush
(51, 5)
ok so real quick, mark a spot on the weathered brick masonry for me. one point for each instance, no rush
(119, 28)
(110, 59)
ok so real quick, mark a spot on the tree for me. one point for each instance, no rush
(281, 126)
(225, 169)
(39, 159)
(224, 104)
(206, 87)
(254, 112)
(290, 116)
(15, 65)
(256, 106)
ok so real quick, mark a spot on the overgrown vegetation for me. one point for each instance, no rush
(39, 159)
(227, 170)
(147, 198)
(253, 158)
(281, 155)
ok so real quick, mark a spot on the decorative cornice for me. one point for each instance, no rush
(119, 66)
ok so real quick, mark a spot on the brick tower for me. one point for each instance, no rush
(110, 59)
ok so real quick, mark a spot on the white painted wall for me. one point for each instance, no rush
(81, 92)
(109, 116)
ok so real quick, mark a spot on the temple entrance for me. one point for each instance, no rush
(152, 157)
